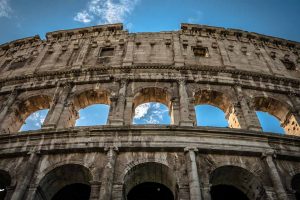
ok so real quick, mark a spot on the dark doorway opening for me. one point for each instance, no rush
(150, 191)
(227, 192)
(77, 191)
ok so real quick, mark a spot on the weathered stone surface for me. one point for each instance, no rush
(237, 71)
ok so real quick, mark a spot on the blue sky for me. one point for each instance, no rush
(24, 18)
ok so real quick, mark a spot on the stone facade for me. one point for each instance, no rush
(237, 71)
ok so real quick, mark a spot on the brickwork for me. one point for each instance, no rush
(236, 71)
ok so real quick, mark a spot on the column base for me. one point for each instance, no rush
(48, 126)
(116, 122)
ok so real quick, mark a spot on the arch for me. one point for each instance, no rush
(207, 115)
(22, 109)
(81, 100)
(153, 94)
(5, 181)
(221, 101)
(239, 178)
(149, 172)
(60, 177)
(295, 185)
(282, 111)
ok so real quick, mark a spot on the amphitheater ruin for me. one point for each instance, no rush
(237, 71)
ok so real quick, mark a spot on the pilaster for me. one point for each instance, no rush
(269, 157)
(190, 156)
(7, 104)
(26, 176)
(108, 174)
(184, 105)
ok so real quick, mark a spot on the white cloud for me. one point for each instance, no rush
(150, 113)
(141, 110)
(83, 17)
(106, 11)
(5, 9)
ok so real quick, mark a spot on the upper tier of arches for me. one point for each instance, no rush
(65, 102)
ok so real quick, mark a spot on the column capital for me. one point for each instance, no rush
(181, 81)
(269, 153)
(188, 149)
(95, 182)
(111, 148)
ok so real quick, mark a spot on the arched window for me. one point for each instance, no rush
(208, 115)
(26, 109)
(269, 123)
(244, 185)
(152, 106)
(96, 114)
(151, 113)
(150, 181)
(214, 108)
(87, 108)
(71, 181)
(278, 109)
(35, 120)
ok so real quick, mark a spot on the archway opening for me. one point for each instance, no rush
(23, 109)
(77, 191)
(35, 120)
(208, 115)
(227, 192)
(269, 123)
(96, 114)
(150, 191)
(152, 106)
(154, 178)
(282, 111)
(64, 182)
(5, 181)
(152, 113)
(214, 108)
(296, 186)
(232, 181)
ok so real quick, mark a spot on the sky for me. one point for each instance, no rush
(25, 18)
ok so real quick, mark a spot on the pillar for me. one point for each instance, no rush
(57, 106)
(128, 59)
(7, 104)
(195, 191)
(247, 111)
(95, 187)
(175, 111)
(116, 116)
(82, 55)
(178, 58)
(108, 174)
(25, 176)
(274, 175)
(184, 105)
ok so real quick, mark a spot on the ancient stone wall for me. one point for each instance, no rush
(236, 71)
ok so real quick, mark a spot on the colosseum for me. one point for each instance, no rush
(237, 71)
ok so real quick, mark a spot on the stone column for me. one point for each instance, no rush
(128, 112)
(9, 192)
(108, 174)
(128, 59)
(26, 176)
(247, 111)
(82, 55)
(178, 58)
(184, 105)
(116, 116)
(57, 106)
(195, 191)
(7, 104)
(175, 111)
(95, 187)
(274, 175)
